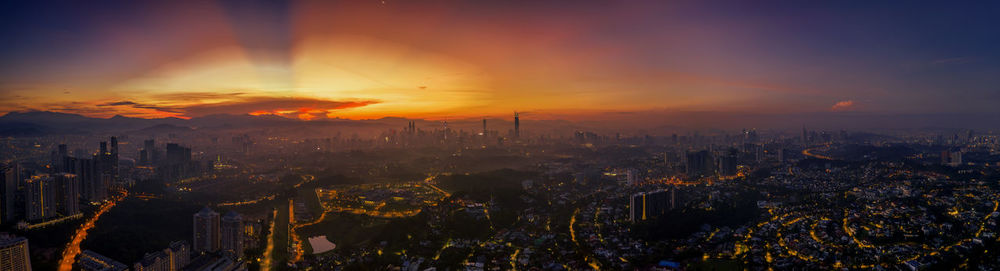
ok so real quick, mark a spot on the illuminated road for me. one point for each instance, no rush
(572, 220)
(269, 251)
(292, 236)
(73, 248)
(809, 152)
(429, 180)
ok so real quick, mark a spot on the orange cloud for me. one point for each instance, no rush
(843, 105)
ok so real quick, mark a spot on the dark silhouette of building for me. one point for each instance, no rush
(67, 193)
(649, 205)
(232, 234)
(8, 191)
(728, 162)
(517, 126)
(699, 163)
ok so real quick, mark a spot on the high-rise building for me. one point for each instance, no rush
(804, 137)
(232, 234)
(57, 159)
(67, 193)
(728, 163)
(8, 191)
(517, 126)
(632, 176)
(40, 198)
(14, 254)
(93, 183)
(649, 205)
(699, 163)
(177, 154)
(152, 154)
(206, 231)
(180, 254)
(92, 187)
(114, 157)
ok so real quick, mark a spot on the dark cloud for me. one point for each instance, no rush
(277, 106)
(142, 106)
(118, 103)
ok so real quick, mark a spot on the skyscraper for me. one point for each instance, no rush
(57, 161)
(14, 254)
(67, 192)
(8, 190)
(206, 231)
(699, 163)
(152, 155)
(92, 187)
(649, 205)
(40, 200)
(728, 162)
(232, 234)
(517, 126)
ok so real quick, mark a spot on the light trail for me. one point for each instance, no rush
(73, 248)
(572, 220)
(513, 259)
(269, 251)
(808, 152)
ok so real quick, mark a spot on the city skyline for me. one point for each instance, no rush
(266, 135)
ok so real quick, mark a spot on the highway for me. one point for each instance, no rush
(73, 248)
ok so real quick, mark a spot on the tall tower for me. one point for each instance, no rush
(517, 126)
(14, 254)
(484, 127)
(232, 234)
(206, 231)
(805, 136)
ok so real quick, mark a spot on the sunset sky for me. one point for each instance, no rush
(454, 59)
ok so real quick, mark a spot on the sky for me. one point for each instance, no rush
(456, 59)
